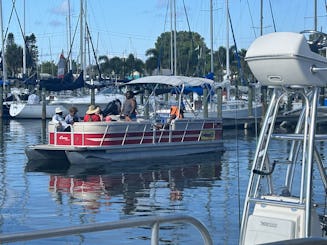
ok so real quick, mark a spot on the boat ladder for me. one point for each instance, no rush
(268, 191)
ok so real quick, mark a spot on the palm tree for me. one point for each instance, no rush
(104, 64)
(153, 61)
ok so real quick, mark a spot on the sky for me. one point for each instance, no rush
(121, 27)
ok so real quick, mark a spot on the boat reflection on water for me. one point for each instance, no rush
(146, 188)
(86, 191)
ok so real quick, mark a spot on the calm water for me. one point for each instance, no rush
(208, 187)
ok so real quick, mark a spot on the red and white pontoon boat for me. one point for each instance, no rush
(99, 142)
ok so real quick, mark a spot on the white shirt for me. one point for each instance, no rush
(59, 120)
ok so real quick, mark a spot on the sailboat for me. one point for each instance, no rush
(281, 199)
(32, 108)
(234, 110)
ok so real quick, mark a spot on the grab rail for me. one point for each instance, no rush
(154, 222)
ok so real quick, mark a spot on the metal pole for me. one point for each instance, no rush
(81, 37)
(250, 101)
(227, 42)
(4, 69)
(219, 103)
(24, 47)
(211, 37)
(261, 18)
(205, 103)
(69, 38)
(44, 110)
(315, 17)
(175, 46)
(171, 39)
(311, 144)
(155, 234)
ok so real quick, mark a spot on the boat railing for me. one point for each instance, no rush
(112, 133)
(154, 222)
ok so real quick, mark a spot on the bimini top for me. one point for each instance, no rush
(285, 59)
(174, 81)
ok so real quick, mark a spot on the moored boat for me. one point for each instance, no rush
(98, 142)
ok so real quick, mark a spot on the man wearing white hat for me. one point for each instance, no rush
(60, 121)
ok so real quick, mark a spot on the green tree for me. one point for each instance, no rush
(187, 52)
(116, 65)
(32, 52)
(134, 64)
(153, 61)
(104, 65)
(49, 67)
(13, 55)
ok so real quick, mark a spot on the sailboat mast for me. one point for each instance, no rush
(227, 51)
(69, 39)
(4, 68)
(81, 36)
(171, 39)
(175, 50)
(261, 18)
(211, 36)
(4, 74)
(315, 18)
(24, 46)
(227, 41)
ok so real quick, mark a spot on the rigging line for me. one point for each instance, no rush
(255, 34)
(167, 9)
(12, 10)
(188, 23)
(20, 26)
(236, 128)
(236, 52)
(94, 54)
(191, 36)
(272, 15)
(71, 44)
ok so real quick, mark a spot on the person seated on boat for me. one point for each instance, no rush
(176, 113)
(58, 119)
(129, 107)
(93, 114)
(72, 116)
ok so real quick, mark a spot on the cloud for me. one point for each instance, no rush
(55, 23)
(60, 10)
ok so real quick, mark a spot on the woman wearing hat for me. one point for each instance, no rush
(60, 121)
(93, 114)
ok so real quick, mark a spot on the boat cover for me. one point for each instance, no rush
(174, 81)
(285, 59)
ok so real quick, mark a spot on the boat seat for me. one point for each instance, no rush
(262, 229)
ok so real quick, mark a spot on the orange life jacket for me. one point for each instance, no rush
(175, 112)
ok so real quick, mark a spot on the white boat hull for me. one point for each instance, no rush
(82, 103)
(23, 110)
